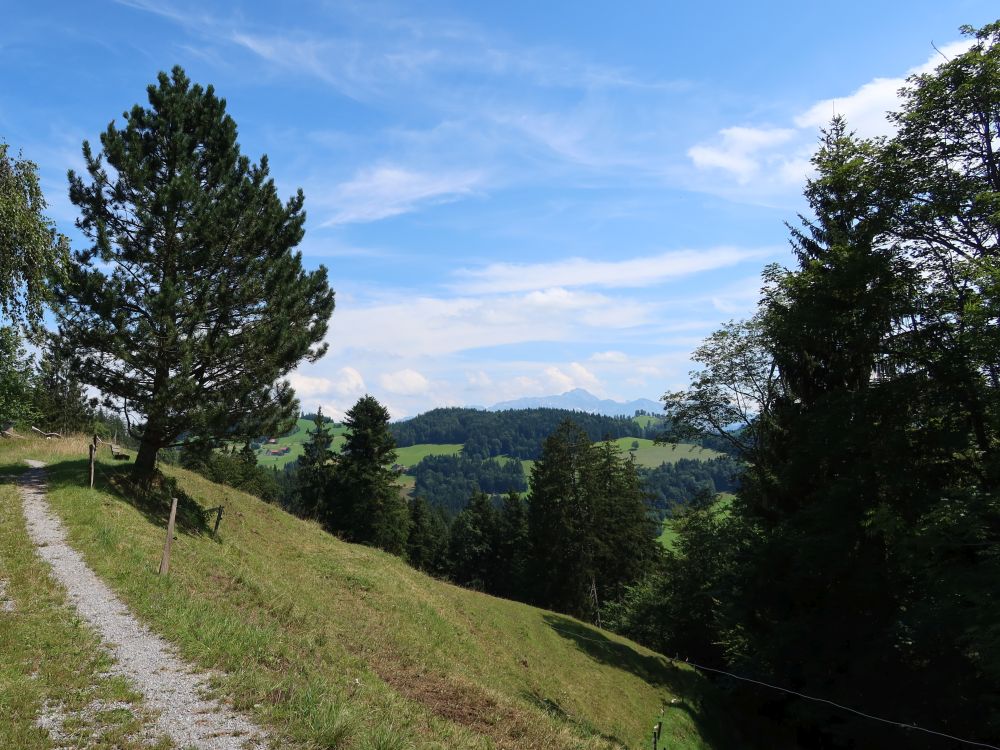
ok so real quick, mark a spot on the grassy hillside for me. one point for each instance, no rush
(652, 455)
(337, 645)
(295, 442)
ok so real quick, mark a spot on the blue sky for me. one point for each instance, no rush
(512, 198)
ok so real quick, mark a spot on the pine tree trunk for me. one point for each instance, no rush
(145, 461)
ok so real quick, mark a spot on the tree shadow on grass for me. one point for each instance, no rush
(653, 669)
(552, 708)
(153, 501)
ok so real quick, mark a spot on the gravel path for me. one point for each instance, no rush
(146, 660)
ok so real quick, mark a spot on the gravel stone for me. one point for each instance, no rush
(170, 688)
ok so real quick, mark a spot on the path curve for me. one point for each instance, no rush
(169, 686)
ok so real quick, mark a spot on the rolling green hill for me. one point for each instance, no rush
(331, 644)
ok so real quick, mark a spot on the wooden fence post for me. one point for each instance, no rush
(218, 520)
(165, 559)
(93, 451)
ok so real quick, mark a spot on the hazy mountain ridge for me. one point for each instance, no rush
(579, 399)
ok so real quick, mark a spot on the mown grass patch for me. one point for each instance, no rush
(54, 687)
(651, 454)
(411, 455)
(337, 645)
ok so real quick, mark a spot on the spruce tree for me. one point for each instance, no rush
(191, 304)
(16, 379)
(590, 533)
(314, 472)
(428, 537)
(512, 548)
(367, 505)
(472, 548)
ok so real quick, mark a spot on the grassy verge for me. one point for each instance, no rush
(336, 645)
(54, 686)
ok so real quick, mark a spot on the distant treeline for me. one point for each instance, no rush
(447, 482)
(517, 432)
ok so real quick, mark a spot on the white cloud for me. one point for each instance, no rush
(348, 382)
(479, 379)
(306, 386)
(406, 382)
(768, 162)
(385, 191)
(633, 272)
(610, 356)
(740, 151)
(865, 109)
(430, 326)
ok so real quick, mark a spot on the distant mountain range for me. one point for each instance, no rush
(580, 400)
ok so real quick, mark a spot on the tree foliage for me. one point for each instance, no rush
(16, 379)
(860, 558)
(515, 432)
(31, 251)
(191, 304)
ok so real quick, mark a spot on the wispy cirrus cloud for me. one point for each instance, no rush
(575, 272)
(388, 190)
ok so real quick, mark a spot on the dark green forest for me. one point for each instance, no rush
(516, 432)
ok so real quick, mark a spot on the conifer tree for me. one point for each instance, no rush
(59, 396)
(472, 548)
(367, 505)
(428, 538)
(512, 548)
(15, 379)
(191, 304)
(313, 477)
(589, 529)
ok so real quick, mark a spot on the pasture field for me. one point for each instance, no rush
(411, 455)
(651, 455)
(295, 441)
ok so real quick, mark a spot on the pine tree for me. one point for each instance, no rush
(191, 304)
(367, 505)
